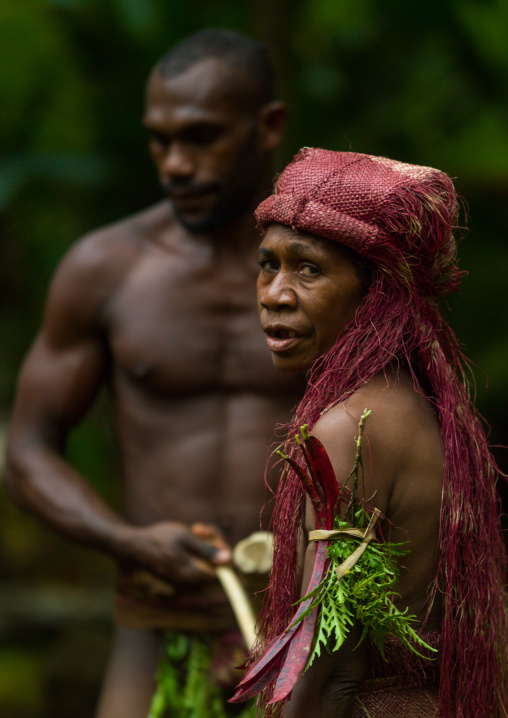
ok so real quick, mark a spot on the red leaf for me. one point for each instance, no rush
(275, 648)
(309, 487)
(322, 471)
(308, 462)
(317, 571)
(248, 689)
(296, 659)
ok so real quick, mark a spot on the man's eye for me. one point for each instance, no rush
(157, 138)
(309, 270)
(202, 134)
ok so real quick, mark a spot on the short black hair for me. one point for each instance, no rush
(235, 49)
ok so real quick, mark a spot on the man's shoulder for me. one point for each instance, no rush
(128, 233)
(142, 226)
(106, 253)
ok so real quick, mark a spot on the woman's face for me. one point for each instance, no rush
(307, 292)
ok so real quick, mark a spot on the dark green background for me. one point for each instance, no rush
(423, 82)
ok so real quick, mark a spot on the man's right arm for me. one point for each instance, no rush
(59, 380)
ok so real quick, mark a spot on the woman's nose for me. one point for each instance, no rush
(278, 293)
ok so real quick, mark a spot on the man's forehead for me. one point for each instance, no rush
(208, 83)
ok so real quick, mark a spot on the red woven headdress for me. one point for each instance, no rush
(388, 211)
(402, 217)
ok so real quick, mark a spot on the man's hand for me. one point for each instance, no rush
(174, 552)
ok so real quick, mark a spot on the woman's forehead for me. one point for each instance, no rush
(298, 241)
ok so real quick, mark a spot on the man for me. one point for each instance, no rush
(161, 306)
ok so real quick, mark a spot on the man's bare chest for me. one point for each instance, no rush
(174, 328)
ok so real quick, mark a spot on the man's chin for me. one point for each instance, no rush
(209, 221)
(197, 224)
(226, 208)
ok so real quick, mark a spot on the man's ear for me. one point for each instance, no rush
(271, 125)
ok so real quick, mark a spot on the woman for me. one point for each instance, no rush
(356, 251)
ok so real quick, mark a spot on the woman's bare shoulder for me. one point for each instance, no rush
(397, 410)
(401, 436)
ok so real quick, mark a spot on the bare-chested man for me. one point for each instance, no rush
(161, 306)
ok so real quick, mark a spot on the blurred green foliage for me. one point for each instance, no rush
(21, 683)
(420, 81)
(423, 82)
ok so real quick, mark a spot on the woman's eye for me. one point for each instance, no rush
(268, 265)
(309, 270)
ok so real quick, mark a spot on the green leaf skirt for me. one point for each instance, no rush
(186, 683)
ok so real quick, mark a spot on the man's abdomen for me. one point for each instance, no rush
(199, 459)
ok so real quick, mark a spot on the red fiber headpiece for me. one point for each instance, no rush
(397, 214)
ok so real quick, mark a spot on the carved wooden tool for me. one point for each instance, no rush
(252, 555)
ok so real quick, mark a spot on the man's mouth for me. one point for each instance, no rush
(190, 193)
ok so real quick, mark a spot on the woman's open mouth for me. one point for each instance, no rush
(281, 339)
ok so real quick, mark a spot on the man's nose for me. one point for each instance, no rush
(178, 162)
(278, 294)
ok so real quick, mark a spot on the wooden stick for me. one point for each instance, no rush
(327, 534)
(240, 603)
(351, 560)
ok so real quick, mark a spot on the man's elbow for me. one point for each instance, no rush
(18, 471)
(11, 476)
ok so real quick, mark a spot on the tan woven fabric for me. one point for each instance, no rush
(400, 684)
(397, 702)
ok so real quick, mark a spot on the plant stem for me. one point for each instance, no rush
(353, 504)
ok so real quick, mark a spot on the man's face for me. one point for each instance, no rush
(308, 291)
(204, 144)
